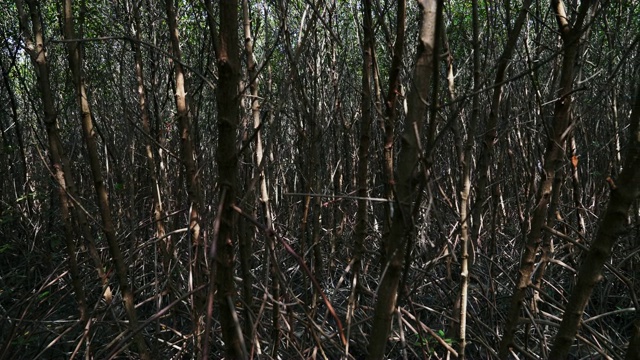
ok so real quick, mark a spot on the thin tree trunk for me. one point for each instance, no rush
(246, 243)
(552, 160)
(389, 120)
(83, 229)
(465, 184)
(624, 192)
(197, 263)
(158, 211)
(365, 140)
(363, 161)
(39, 60)
(227, 160)
(405, 189)
(165, 245)
(89, 133)
(491, 134)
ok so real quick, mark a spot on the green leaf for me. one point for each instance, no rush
(5, 247)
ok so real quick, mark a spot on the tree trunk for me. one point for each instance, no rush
(360, 232)
(158, 211)
(228, 58)
(405, 189)
(390, 115)
(552, 160)
(39, 60)
(365, 140)
(491, 134)
(465, 185)
(89, 133)
(197, 262)
(624, 192)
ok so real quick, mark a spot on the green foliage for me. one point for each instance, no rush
(431, 343)
(5, 247)
(43, 295)
(31, 195)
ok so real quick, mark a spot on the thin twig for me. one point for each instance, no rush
(303, 265)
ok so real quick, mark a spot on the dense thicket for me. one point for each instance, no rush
(319, 179)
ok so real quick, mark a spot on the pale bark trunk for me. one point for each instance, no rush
(89, 133)
(83, 229)
(405, 189)
(465, 185)
(260, 174)
(37, 52)
(158, 211)
(197, 262)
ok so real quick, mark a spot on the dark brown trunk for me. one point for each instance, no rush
(228, 99)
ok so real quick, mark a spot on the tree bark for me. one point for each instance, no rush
(624, 192)
(390, 115)
(552, 160)
(228, 59)
(89, 133)
(37, 52)
(405, 188)
(491, 134)
(365, 140)
(187, 155)
(158, 211)
(465, 185)
(360, 232)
